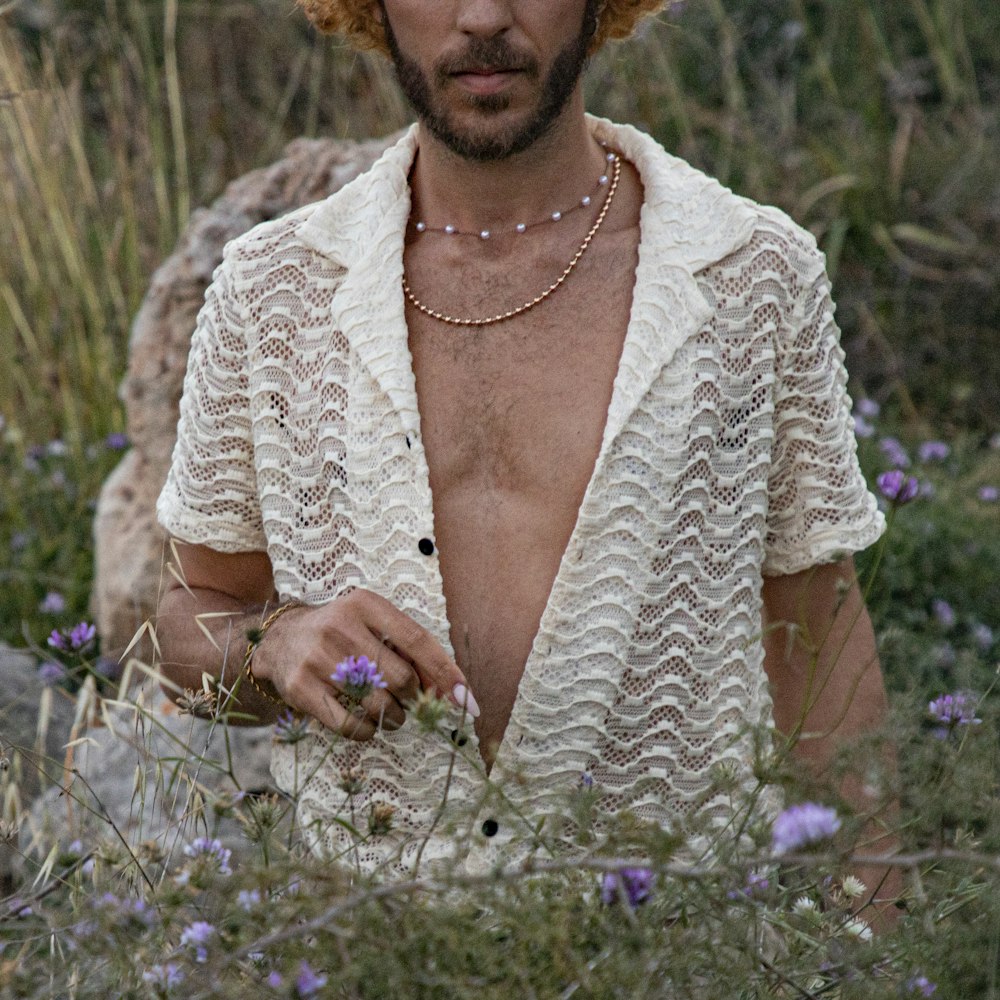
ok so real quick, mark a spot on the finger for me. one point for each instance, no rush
(384, 711)
(436, 670)
(352, 722)
(398, 673)
(305, 692)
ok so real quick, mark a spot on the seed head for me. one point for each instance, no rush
(380, 816)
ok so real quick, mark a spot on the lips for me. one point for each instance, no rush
(486, 79)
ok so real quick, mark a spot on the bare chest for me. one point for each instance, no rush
(513, 417)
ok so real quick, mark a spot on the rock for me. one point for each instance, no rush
(129, 550)
(35, 724)
(149, 775)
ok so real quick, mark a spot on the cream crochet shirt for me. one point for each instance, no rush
(728, 455)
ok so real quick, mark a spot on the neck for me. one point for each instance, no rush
(552, 173)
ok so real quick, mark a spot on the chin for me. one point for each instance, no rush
(488, 134)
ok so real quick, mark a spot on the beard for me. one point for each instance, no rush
(490, 144)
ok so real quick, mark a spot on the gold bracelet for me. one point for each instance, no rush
(258, 637)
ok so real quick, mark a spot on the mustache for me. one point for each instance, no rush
(485, 54)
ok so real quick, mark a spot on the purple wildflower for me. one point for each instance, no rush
(933, 451)
(756, 883)
(248, 899)
(953, 711)
(358, 676)
(197, 935)
(943, 612)
(73, 640)
(82, 635)
(586, 780)
(868, 408)
(862, 427)
(128, 909)
(989, 494)
(290, 728)
(116, 441)
(274, 980)
(897, 486)
(163, 977)
(212, 851)
(51, 673)
(983, 637)
(17, 907)
(801, 825)
(921, 986)
(53, 604)
(895, 452)
(307, 982)
(631, 884)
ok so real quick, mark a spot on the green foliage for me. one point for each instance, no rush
(100, 918)
(46, 506)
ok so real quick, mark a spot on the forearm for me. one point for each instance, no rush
(203, 632)
(829, 695)
(228, 603)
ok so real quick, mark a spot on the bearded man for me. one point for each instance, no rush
(541, 420)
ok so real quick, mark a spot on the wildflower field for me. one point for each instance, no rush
(877, 126)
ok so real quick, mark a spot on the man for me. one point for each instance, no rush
(541, 420)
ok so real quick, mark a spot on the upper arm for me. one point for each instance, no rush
(820, 651)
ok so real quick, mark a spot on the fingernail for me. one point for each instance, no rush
(465, 699)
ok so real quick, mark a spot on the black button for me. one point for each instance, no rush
(459, 738)
(490, 828)
(426, 546)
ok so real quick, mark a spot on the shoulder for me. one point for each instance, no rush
(331, 235)
(695, 222)
(775, 232)
(270, 245)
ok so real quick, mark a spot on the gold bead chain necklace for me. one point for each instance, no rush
(538, 299)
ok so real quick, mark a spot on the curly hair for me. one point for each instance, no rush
(360, 20)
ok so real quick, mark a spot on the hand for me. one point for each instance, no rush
(301, 650)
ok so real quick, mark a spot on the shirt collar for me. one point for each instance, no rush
(691, 218)
(688, 222)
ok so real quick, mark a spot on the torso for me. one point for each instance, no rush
(512, 417)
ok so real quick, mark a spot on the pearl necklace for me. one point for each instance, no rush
(538, 299)
(522, 227)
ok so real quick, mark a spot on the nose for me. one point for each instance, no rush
(484, 18)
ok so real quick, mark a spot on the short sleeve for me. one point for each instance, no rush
(210, 497)
(819, 505)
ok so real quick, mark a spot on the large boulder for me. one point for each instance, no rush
(129, 549)
(147, 774)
